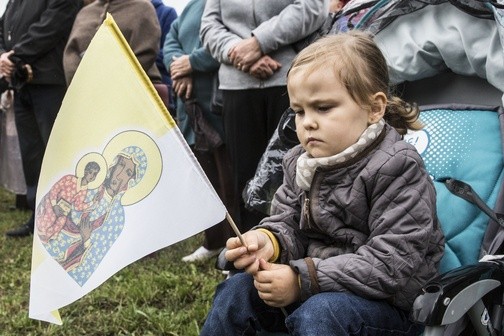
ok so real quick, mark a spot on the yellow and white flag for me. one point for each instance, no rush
(118, 180)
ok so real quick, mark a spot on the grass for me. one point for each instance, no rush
(157, 295)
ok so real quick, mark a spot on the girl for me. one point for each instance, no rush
(353, 234)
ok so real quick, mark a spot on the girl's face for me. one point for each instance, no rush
(328, 120)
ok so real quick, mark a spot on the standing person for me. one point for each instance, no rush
(34, 33)
(192, 69)
(137, 21)
(166, 15)
(253, 42)
(353, 235)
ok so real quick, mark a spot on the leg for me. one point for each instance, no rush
(337, 313)
(217, 235)
(35, 108)
(238, 310)
(250, 117)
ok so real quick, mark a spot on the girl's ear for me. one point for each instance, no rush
(378, 106)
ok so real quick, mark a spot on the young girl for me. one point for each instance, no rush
(353, 234)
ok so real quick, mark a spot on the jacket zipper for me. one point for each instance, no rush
(14, 18)
(307, 202)
(306, 209)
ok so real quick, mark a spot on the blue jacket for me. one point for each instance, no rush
(166, 15)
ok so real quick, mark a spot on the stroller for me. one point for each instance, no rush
(448, 57)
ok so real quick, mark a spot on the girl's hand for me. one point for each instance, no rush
(259, 246)
(277, 284)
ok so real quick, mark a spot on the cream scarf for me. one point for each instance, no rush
(306, 165)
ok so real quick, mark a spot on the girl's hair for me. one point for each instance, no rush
(360, 65)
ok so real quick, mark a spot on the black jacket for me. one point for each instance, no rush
(37, 31)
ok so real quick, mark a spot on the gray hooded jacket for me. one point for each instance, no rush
(276, 25)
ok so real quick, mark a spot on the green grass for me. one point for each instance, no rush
(158, 295)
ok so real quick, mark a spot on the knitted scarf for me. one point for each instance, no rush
(306, 165)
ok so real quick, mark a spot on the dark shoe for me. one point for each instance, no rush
(21, 231)
(22, 203)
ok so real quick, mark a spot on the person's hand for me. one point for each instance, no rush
(245, 53)
(180, 67)
(58, 211)
(183, 87)
(6, 65)
(259, 246)
(264, 68)
(277, 284)
(85, 228)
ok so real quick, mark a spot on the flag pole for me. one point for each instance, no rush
(238, 234)
(235, 228)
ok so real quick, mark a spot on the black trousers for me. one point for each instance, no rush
(35, 109)
(250, 118)
(217, 168)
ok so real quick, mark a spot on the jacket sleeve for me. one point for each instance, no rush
(144, 37)
(165, 22)
(285, 215)
(73, 52)
(295, 21)
(200, 58)
(402, 224)
(214, 35)
(172, 47)
(2, 41)
(54, 24)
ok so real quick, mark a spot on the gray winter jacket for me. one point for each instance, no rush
(367, 226)
(275, 24)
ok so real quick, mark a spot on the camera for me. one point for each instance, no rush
(22, 74)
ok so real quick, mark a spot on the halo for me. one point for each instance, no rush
(100, 160)
(154, 163)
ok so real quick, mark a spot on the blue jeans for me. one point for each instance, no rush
(238, 310)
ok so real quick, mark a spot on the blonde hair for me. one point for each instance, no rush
(360, 65)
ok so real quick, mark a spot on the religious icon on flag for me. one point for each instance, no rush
(118, 180)
(76, 223)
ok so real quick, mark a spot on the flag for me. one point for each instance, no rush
(118, 181)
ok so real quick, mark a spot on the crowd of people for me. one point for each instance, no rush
(335, 246)
(50, 38)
